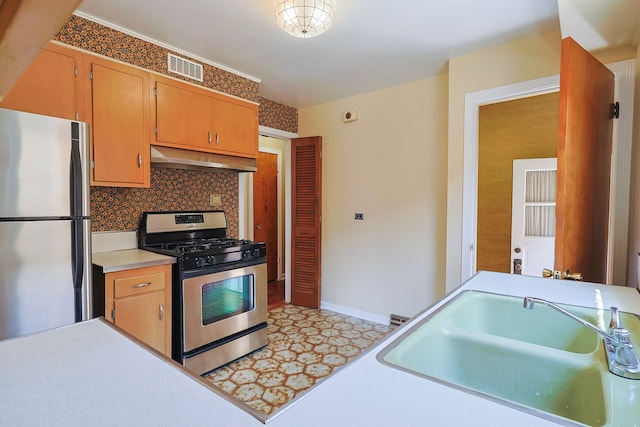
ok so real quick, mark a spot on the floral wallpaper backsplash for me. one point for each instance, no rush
(116, 208)
(97, 38)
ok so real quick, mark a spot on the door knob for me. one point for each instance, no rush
(258, 226)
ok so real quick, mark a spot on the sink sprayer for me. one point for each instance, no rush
(621, 354)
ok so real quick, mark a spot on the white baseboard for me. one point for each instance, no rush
(355, 313)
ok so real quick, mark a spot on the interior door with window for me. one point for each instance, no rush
(533, 213)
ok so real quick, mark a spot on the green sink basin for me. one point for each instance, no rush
(539, 361)
(505, 316)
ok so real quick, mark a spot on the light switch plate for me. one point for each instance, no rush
(215, 199)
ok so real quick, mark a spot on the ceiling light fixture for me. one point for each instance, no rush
(305, 18)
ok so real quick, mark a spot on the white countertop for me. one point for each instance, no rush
(127, 259)
(89, 374)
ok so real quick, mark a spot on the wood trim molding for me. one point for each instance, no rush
(473, 101)
(26, 26)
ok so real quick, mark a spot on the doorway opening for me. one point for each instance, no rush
(524, 128)
(268, 213)
(622, 137)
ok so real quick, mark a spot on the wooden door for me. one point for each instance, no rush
(118, 109)
(51, 86)
(306, 210)
(265, 209)
(584, 163)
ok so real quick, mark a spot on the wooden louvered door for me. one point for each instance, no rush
(306, 208)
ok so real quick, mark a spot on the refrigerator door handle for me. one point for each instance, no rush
(77, 265)
(76, 173)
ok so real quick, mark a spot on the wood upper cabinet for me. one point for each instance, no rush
(236, 126)
(200, 119)
(52, 85)
(138, 301)
(182, 116)
(117, 109)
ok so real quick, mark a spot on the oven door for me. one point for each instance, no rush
(221, 304)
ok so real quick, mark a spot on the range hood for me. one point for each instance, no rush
(187, 159)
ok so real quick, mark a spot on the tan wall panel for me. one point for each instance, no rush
(524, 128)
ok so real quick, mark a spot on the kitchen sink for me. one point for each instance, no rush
(538, 361)
(504, 316)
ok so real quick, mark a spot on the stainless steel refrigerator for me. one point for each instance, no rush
(45, 232)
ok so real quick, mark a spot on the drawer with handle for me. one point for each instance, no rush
(135, 285)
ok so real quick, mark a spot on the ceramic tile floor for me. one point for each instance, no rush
(305, 346)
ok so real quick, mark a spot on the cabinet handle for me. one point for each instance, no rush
(217, 138)
(209, 137)
(139, 160)
(161, 314)
(141, 285)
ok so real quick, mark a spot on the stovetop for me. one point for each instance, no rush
(197, 239)
(196, 246)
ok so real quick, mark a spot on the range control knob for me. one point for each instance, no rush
(211, 260)
(200, 262)
(256, 252)
(246, 254)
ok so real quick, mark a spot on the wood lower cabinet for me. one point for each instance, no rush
(117, 107)
(52, 85)
(199, 119)
(138, 301)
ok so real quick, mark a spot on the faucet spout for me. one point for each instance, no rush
(621, 354)
(529, 302)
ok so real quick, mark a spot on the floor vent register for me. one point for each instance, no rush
(396, 320)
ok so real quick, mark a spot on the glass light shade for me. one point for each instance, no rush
(305, 18)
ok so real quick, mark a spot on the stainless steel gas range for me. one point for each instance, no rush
(219, 287)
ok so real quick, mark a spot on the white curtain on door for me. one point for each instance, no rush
(540, 203)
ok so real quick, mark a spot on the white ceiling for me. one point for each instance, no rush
(373, 44)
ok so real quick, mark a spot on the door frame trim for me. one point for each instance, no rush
(622, 141)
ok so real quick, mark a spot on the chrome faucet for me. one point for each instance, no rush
(621, 354)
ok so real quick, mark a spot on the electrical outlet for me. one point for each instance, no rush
(215, 199)
(359, 216)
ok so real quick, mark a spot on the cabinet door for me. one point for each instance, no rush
(51, 85)
(236, 127)
(182, 116)
(119, 115)
(143, 317)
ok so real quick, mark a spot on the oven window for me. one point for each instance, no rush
(227, 298)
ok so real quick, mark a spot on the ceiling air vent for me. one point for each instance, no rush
(184, 67)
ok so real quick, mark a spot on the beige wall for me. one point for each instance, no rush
(390, 164)
(521, 60)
